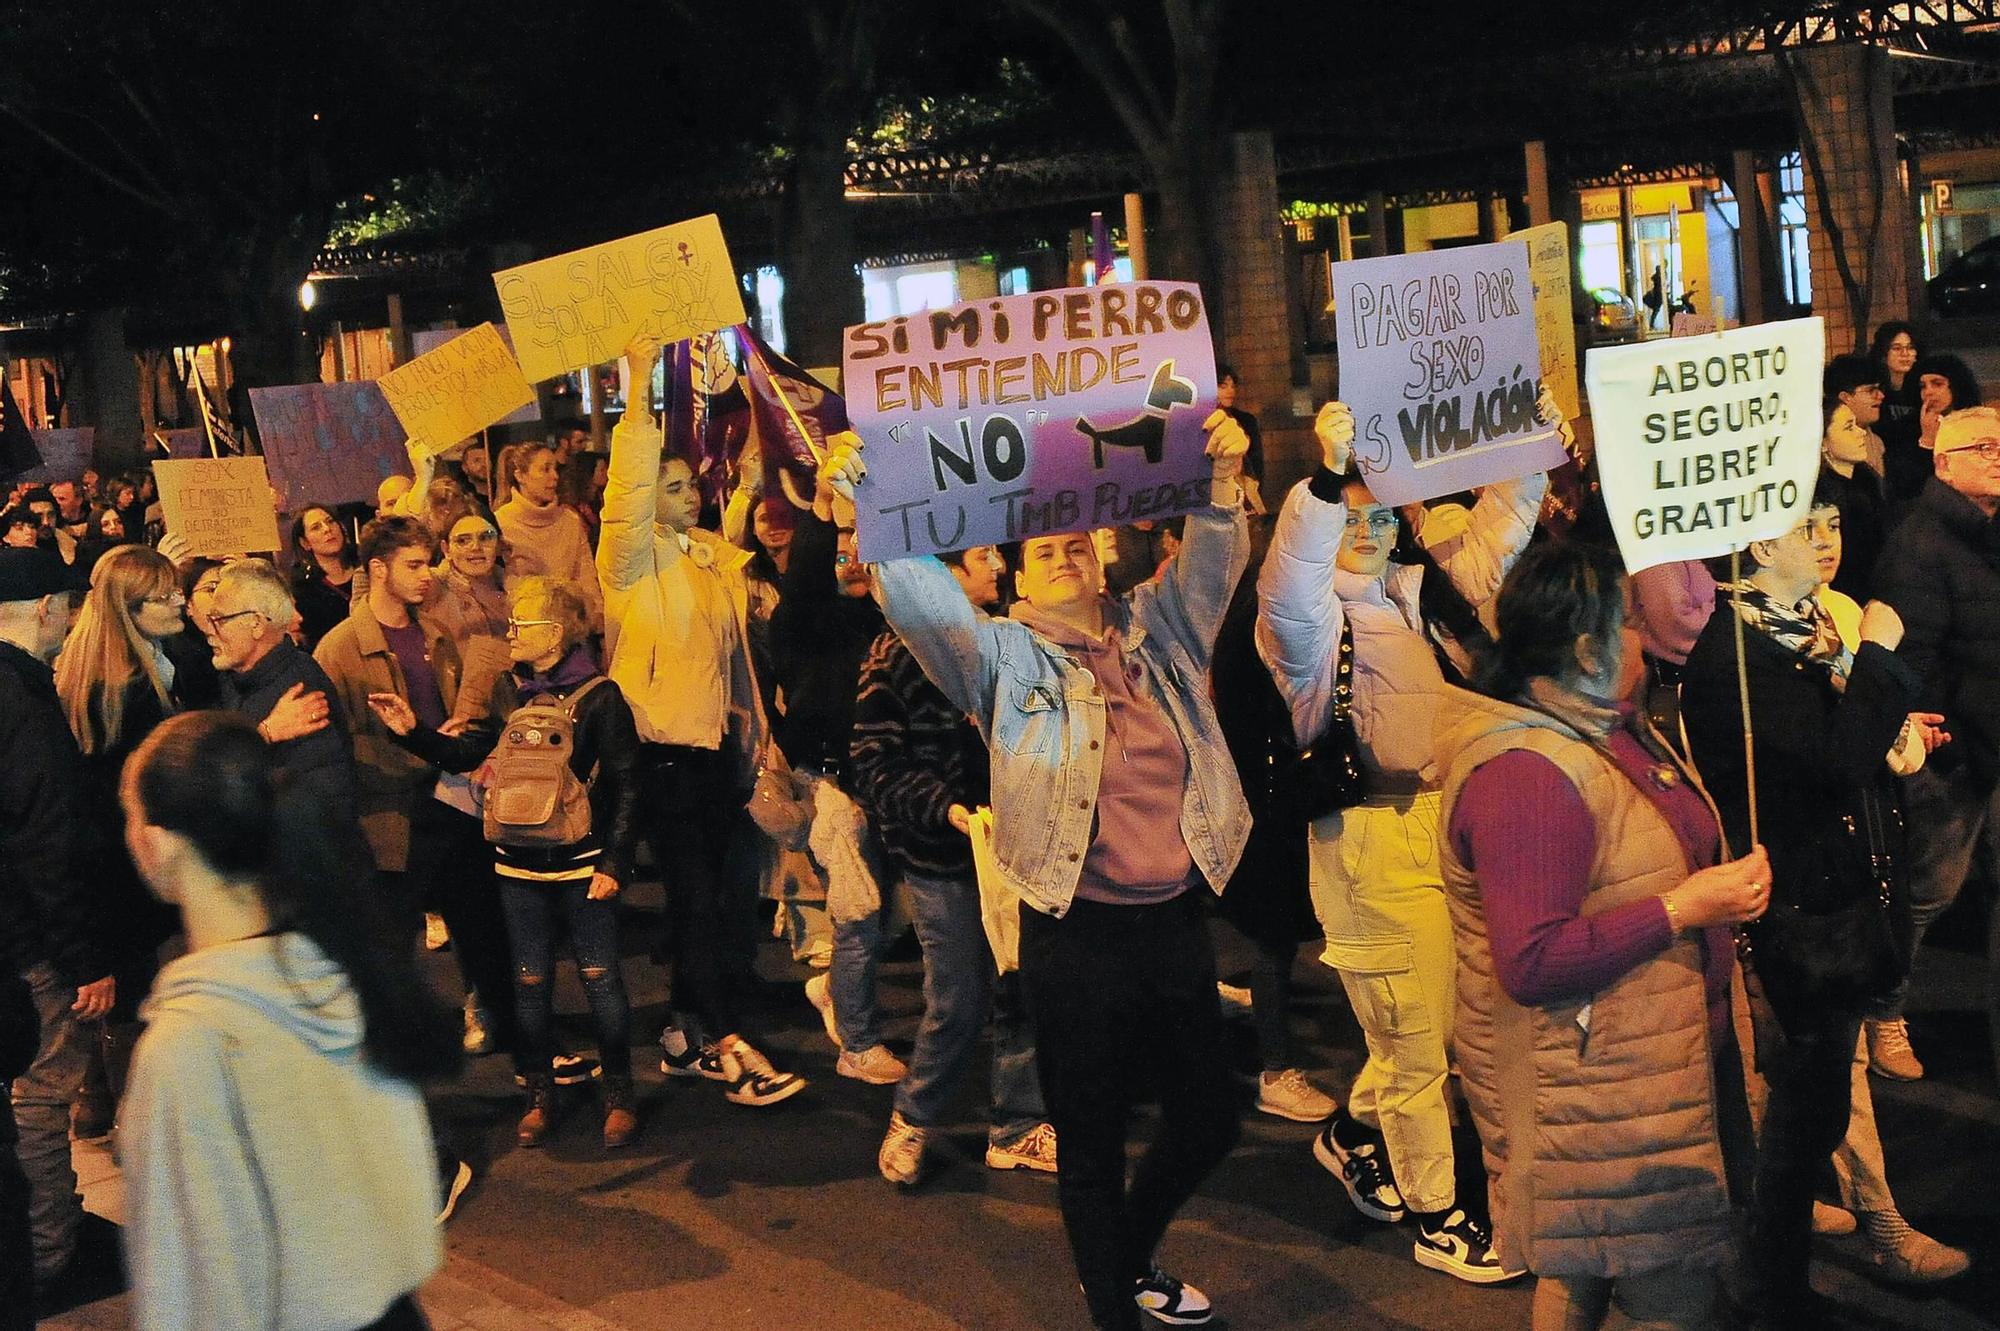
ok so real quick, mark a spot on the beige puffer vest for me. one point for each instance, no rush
(1601, 1147)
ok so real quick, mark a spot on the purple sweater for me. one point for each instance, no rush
(1534, 873)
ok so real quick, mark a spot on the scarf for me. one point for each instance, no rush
(1805, 628)
(569, 672)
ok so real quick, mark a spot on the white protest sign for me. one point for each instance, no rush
(1707, 444)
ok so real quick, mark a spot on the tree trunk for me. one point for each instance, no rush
(822, 290)
(1187, 172)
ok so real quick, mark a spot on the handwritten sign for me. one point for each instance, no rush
(328, 443)
(1001, 419)
(1438, 359)
(581, 308)
(1550, 271)
(65, 455)
(221, 505)
(188, 442)
(1692, 325)
(426, 340)
(1706, 446)
(457, 390)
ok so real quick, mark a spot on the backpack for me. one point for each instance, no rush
(533, 798)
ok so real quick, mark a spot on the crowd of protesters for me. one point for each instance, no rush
(1502, 785)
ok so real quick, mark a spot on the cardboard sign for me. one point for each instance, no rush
(457, 390)
(581, 308)
(1705, 446)
(188, 442)
(221, 505)
(426, 340)
(1438, 359)
(1692, 325)
(1553, 277)
(1025, 416)
(65, 455)
(329, 443)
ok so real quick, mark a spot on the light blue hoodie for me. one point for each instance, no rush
(274, 1180)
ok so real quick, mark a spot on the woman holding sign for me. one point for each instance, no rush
(1332, 602)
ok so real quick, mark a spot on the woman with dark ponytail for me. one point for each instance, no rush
(278, 1159)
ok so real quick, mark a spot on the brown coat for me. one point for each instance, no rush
(389, 779)
(1602, 1152)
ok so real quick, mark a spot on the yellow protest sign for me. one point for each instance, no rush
(1555, 319)
(581, 308)
(222, 506)
(456, 390)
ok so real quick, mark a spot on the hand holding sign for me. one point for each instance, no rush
(1334, 428)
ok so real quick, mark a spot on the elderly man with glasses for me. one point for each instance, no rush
(1940, 570)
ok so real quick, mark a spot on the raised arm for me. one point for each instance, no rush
(1477, 559)
(1189, 602)
(1299, 617)
(625, 547)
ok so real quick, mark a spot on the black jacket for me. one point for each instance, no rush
(1864, 521)
(136, 922)
(1941, 571)
(607, 741)
(48, 912)
(913, 756)
(1826, 800)
(322, 762)
(818, 640)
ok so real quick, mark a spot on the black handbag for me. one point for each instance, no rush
(1327, 777)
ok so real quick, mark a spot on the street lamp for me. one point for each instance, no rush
(308, 295)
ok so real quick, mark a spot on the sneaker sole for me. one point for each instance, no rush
(1471, 1275)
(572, 1078)
(672, 1069)
(459, 1183)
(1877, 1070)
(869, 1077)
(1332, 1164)
(1201, 1318)
(1003, 1161)
(1295, 1115)
(759, 1101)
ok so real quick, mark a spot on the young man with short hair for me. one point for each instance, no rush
(1121, 798)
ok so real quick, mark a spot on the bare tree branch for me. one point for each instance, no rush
(1148, 130)
(109, 177)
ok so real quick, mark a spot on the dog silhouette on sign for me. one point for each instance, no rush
(1148, 430)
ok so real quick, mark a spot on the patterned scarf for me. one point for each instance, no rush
(1806, 628)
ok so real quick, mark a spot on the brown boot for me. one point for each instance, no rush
(621, 1113)
(541, 1115)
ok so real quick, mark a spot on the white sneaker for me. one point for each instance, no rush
(901, 1158)
(876, 1066)
(1169, 1300)
(478, 1029)
(1462, 1247)
(752, 1080)
(1288, 1094)
(1034, 1149)
(819, 992)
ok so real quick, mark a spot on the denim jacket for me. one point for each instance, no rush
(1043, 717)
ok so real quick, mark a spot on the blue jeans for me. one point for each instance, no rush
(850, 980)
(1949, 814)
(959, 991)
(535, 914)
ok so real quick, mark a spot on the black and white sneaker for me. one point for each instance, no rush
(568, 1070)
(752, 1080)
(1462, 1247)
(682, 1057)
(1363, 1169)
(454, 1177)
(1169, 1300)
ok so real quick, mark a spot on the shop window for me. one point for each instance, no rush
(1794, 248)
(1597, 256)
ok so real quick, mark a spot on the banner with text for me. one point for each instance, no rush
(1438, 359)
(1550, 270)
(426, 340)
(581, 308)
(1001, 419)
(329, 443)
(1705, 446)
(456, 390)
(222, 506)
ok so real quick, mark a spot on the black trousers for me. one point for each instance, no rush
(1804, 1120)
(451, 866)
(1124, 997)
(692, 802)
(17, 1249)
(403, 1315)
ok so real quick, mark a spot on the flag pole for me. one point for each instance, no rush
(1743, 691)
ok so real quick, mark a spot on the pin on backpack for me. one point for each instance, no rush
(533, 797)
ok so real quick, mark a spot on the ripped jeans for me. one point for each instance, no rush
(535, 915)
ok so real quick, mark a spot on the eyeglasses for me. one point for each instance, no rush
(218, 620)
(1381, 520)
(172, 601)
(1987, 450)
(514, 626)
(464, 539)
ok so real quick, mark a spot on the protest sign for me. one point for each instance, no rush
(328, 443)
(65, 455)
(1001, 419)
(1692, 325)
(1704, 446)
(457, 390)
(1555, 312)
(1438, 359)
(221, 506)
(581, 308)
(188, 442)
(426, 340)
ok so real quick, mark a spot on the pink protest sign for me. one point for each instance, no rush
(1020, 416)
(328, 443)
